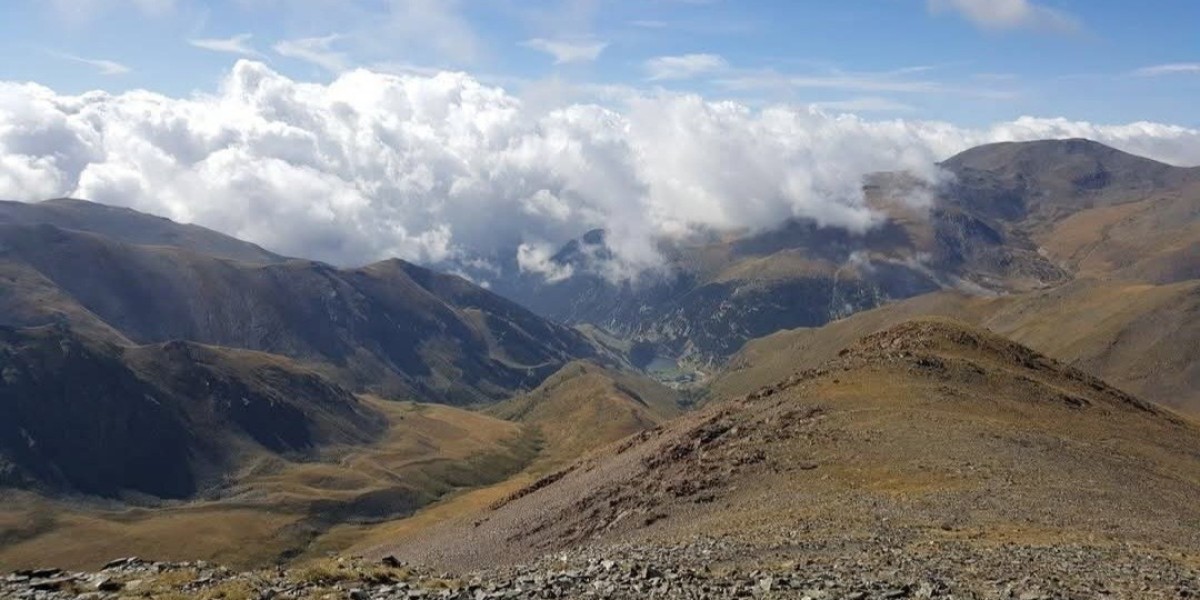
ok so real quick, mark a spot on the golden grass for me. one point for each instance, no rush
(428, 453)
(86, 539)
(368, 539)
(584, 407)
(1136, 336)
(331, 571)
(422, 445)
(581, 408)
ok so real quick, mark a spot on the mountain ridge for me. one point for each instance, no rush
(826, 453)
(132, 227)
(375, 327)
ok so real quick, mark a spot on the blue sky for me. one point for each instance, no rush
(970, 62)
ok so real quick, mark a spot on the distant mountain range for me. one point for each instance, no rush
(1012, 217)
(145, 357)
(392, 327)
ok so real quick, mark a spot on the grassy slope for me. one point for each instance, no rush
(434, 463)
(931, 432)
(1139, 337)
(584, 407)
(580, 409)
(277, 508)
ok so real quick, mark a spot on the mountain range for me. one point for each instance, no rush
(1009, 218)
(1001, 369)
(391, 327)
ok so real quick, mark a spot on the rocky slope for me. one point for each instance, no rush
(924, 442)
(696, 570)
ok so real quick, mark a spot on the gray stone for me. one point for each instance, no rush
(105, 583)
(51, 584)
(122, 562)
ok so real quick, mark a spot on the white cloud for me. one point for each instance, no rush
(442, 168)
(537, 258)
(1008, 14)
(102, 66)
(1169, 69)
(316, 50)
(238, 44)
(685, 66)
(567, 51)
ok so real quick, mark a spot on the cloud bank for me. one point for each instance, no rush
(442, 169)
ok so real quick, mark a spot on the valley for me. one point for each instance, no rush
(273, 508)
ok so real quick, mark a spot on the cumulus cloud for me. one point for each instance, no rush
(567, 51)
(685, 66)
(443, 169)
(1008, 14)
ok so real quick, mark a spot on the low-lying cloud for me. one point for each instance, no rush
(441, 169)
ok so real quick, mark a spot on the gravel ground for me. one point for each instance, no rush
(700, 568)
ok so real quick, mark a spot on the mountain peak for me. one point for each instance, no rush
(933, 334)
(950, 350)
(595, 237)
(1046, 155)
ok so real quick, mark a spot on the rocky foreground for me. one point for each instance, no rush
(703, 568)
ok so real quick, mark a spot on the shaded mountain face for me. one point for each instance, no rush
(710, 299)
(930, 432)
(1011, 218)
(168, 421)
(391, 327)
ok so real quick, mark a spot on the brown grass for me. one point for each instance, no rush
(970, 434)
(1139, 337)
(331, 571)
